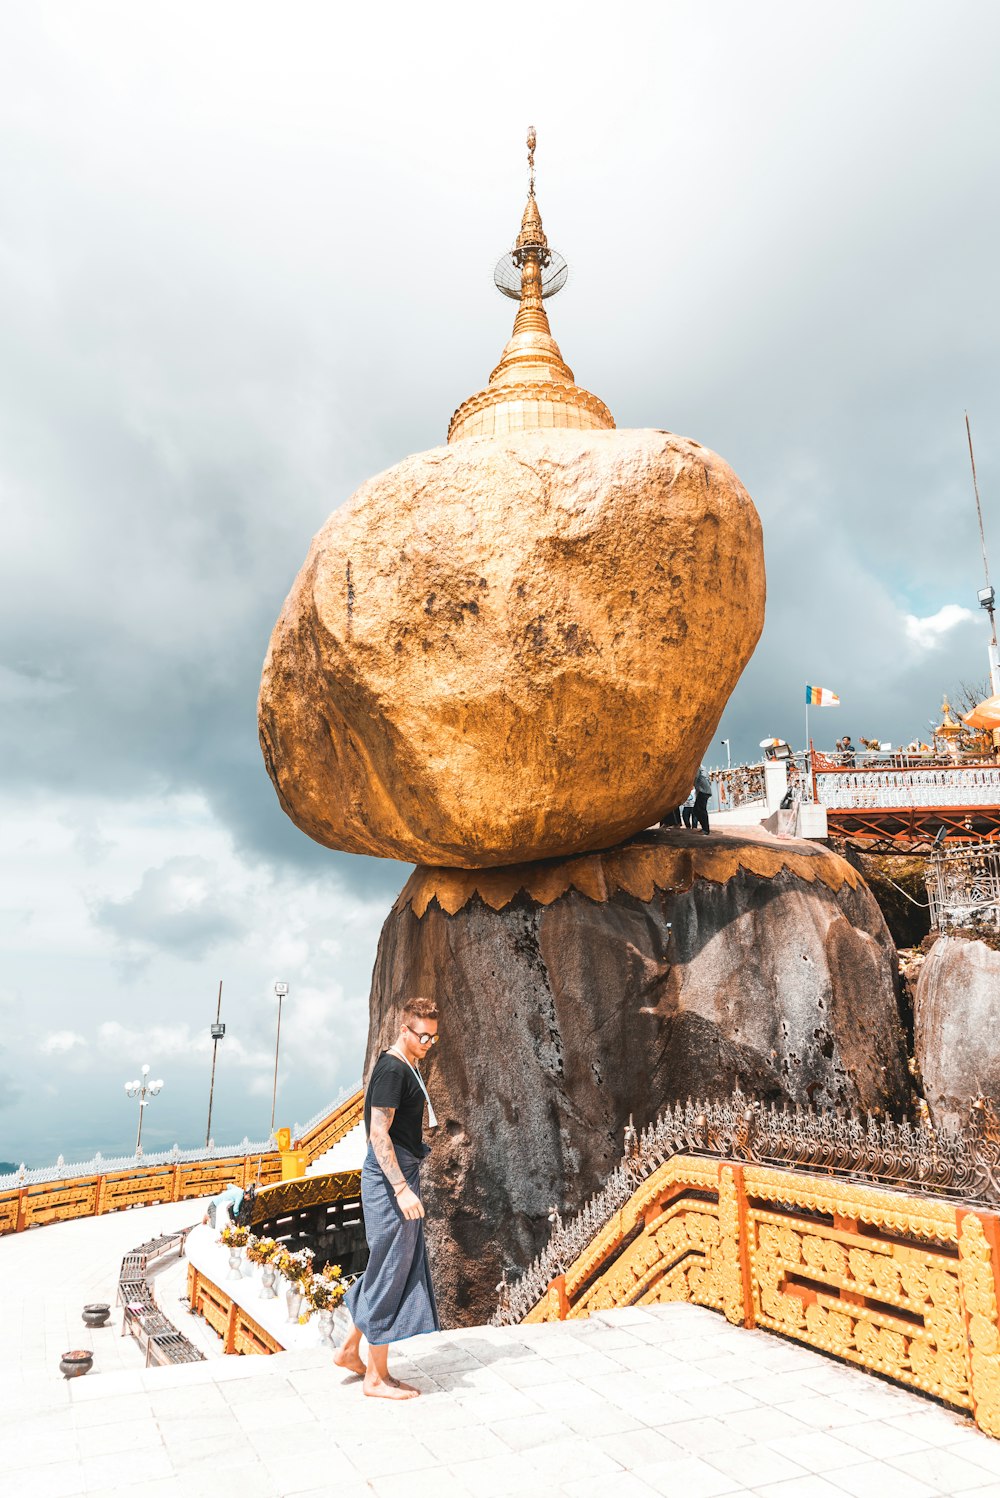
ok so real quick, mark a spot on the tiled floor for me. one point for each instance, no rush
(634, 1403)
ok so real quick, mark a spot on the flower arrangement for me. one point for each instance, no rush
(235, 1237)
(324, 1291)
(295, 1267)
(261, 1250)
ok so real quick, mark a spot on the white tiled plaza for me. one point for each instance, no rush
(634, 1403)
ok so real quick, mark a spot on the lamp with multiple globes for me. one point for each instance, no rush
(143, 1089)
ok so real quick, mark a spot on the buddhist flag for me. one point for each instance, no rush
(821, 697)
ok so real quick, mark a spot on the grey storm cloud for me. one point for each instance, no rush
(245, 263)
(174, 909)
(199, 363)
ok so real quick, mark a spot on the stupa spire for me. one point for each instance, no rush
(532, 386)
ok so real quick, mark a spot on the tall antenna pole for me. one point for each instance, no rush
(217, 1032)
(987, 596)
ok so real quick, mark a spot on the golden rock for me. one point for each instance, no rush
(517, 646)
(514, 647)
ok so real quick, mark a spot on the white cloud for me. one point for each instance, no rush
(60, 1042)
(927, 632)
(102, 1018)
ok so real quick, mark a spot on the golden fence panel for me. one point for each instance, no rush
(57, 1201)
(330, 1130)
(240, 1333)
(896, 1283)
(145, 1185)
(265, 1169)
(249, 1337)
(891, 1307)
(213, 1304)
(136, 1188)
(306, 1191)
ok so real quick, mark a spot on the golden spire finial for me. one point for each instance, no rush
(531, 386)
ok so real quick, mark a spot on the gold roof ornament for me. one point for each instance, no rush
(532, 387)
(948, 728)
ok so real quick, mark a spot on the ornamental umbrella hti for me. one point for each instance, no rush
(985, 715)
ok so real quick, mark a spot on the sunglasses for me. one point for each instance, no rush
(421, 1039)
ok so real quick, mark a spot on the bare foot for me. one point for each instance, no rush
(349, 1361)
(381, 1390)
(398, 1383)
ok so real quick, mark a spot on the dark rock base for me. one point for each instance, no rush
(746, 960)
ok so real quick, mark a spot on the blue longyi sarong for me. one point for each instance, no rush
(394, 1298)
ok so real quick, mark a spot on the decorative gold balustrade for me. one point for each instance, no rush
(902, 1285)
(143, 1185)
(240, 1333)
(330, 1130)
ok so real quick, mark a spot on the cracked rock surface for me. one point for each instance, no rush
(956, 1011)
(743, 959)
(512, 648)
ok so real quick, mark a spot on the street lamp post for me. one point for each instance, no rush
(280, 989)
(218, 1031)
(143, 1089)
(728, 757)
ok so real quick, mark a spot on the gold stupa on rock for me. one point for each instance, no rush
(516, 646)
(532, 387)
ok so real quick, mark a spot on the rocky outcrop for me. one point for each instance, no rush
(574, 994)
(957, 1026)
(512, 648)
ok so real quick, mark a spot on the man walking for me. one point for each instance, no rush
(702, 791)
(394, 1298)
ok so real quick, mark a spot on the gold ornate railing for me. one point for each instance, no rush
(240, 1333)
(331, 1129)
(285, 1197)
(89, 1195)
(903, 1285)
(142, 1186)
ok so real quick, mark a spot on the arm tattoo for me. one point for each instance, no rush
(382, 1146)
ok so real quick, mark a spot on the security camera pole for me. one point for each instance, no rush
(218, 1031)
(281, 989)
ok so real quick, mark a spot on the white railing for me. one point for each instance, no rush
(895, 759)
(100, 1166)
(963, 886)
(978, 786)
(317, 1118)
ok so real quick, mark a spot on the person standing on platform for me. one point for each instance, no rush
(702, 791)
(394, 1298)
(687, 811)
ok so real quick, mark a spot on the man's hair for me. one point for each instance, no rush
(420, 1009)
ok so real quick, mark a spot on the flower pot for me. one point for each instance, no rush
(74, 1364)
(235, 1272)
(97, 1313)
(324, 1320)
(293, 1302)
(267, 1290)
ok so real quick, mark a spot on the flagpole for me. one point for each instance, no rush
(807, 765)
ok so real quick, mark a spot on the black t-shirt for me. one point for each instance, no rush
(393, 1085)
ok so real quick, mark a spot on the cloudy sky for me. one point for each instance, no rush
(245, 262)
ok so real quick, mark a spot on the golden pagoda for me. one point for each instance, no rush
(532, 387)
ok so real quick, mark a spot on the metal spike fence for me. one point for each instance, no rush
(962, 1164)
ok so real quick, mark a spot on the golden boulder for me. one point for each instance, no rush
(514, 647)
